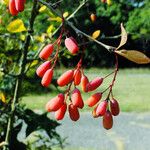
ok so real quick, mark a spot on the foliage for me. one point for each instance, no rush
(138, 21)
(38, 129)
(23, 38)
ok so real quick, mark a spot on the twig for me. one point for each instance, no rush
(107, 47)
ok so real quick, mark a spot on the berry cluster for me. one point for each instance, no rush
(71, 98)
(45, 70)
(16, 6)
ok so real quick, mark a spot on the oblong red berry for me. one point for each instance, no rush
(46, 51)
(93, 17)
(107, 120)
(94, 84)
(19, 5)
(43, 68)
(92, 100)
(77, 98)
(55, 103)
(84, 82)
(73, 112)
(47, 78)
(94, 112)
(101, 108)
(71, 45)
(60, 113)
(114, 107)
(12, 8)
(65, 78)
(77, 76)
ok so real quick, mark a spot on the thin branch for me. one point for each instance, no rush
(78, 8)
(109, 48)
(111, 37)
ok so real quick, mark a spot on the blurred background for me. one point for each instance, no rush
(37, 129)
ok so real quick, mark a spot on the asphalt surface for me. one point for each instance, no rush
(131, 131)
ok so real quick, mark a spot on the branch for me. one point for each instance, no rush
(107, 47)
(78, 8)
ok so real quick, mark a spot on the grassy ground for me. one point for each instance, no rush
(132, 90)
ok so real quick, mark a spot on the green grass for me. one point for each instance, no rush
(132, 90)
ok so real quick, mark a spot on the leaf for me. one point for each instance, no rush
(58, 19)
(34, 63)
(65, 14)
(2, 97)
(6, 2)
(42, 9)
(50, 30)
(123, 36)
(109, 2)
(22, 37)
(16, 26)
(135, 56)
(96, 34)
(40, 38)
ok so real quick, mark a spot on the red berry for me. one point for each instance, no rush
(71, 45)
(107, 120)
(84, 82)
(94, 84)
(60, 113)
(77, 98)
(47, 78)
(73, 112)
(77, 76)
(12, 8)
(114, 107)
(19, 5)
(101, 108)
(46, 51)
(93, 17)
(55, 103)
(65, 78)
(103, 1)
(43, 68)
(94, 99)
(94, 112)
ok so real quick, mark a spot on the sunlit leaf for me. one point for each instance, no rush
(2, 97)
(22, 37)
(65, 14)
(96, 34)
(123, 36)
(40, 38)
(50, 30)
(109, 2)
(135, 56)
(42, 9)
(16, 26)
(58, 19)
(34, 63)
(5, 2)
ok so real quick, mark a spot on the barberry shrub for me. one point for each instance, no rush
(50, 52)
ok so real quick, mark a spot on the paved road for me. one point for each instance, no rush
(131, 131)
